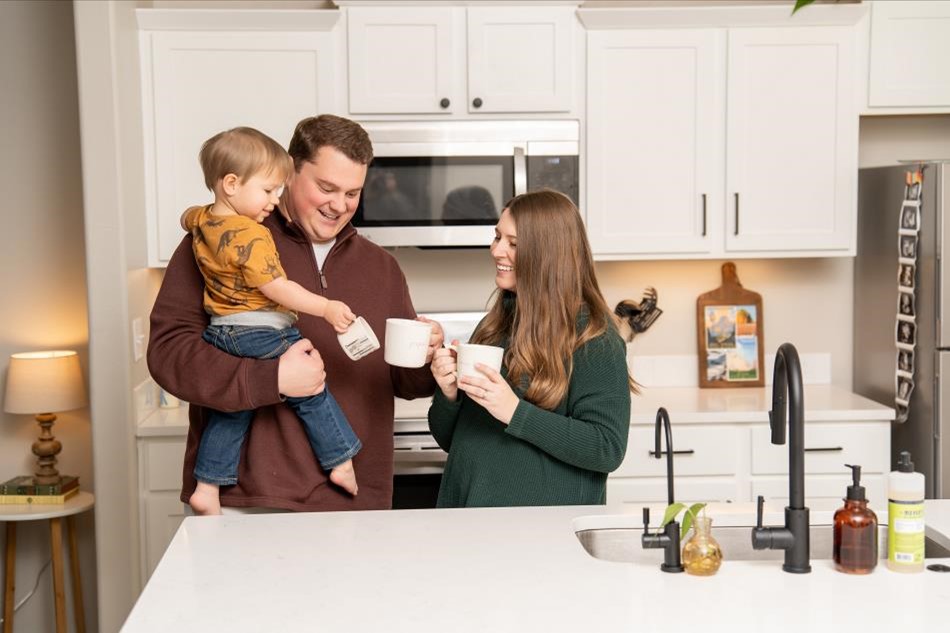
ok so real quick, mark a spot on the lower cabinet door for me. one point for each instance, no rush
(164, 512)
(686, 490)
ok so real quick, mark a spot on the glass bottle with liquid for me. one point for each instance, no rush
(702, 555)
(855, 531)
(905, 517)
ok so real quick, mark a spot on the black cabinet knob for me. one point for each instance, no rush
(476, 102)
(445, 102)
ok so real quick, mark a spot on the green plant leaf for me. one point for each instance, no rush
(691, 513)
(671, 511)
(799, 4)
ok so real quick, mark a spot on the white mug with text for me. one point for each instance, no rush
(359, 340)
(468, 354)
(406, 342)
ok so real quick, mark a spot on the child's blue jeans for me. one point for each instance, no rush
(330, 435)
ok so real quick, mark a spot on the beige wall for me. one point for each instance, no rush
(42, 266)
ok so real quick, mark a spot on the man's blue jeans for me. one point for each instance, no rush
(330, 435)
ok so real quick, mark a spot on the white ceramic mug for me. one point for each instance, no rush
(407, 342)
(359, 340)
(467, 354)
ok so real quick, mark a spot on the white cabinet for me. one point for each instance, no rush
(456, 60)
(161, 510)
(791, 140)
(196, 83)
(737, 462)
(721, 142)
(655, 171)
(909, 56)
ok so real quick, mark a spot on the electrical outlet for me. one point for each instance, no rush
(145, 399)
(138, 339)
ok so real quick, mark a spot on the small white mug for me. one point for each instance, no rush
(407, 342)
(359, 340)
(467, 354)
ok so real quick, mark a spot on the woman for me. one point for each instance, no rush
(554, 422)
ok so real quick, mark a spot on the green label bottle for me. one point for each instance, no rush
(905, 517)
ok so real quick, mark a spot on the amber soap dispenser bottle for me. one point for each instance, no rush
(855, 545)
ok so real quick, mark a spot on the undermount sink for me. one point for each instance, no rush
(622, 545)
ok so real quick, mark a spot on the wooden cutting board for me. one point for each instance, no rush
(730, 334)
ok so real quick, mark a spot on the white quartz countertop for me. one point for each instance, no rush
(498, 569)
(686, 405)
(692, 405)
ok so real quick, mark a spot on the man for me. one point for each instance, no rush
(320, 250)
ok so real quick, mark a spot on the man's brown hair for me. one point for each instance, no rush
(244, 152)
(328, 130)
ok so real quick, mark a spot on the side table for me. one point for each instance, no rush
(11, 514)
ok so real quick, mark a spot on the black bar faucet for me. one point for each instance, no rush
(669, 538)
(787, 394)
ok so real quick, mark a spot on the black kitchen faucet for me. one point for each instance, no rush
(793, 538)
(669, 539)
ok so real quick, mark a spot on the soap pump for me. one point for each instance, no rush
(855, 540)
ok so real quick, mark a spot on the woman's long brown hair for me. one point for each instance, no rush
(555, 277)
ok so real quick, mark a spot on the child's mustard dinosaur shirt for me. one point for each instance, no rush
(235, 255)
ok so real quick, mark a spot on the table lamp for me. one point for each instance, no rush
(44, 382)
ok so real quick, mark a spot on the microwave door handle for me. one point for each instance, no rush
(521, 172)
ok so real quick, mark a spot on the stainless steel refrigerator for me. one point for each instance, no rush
(888, 296)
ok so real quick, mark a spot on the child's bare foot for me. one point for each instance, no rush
(345, 477)
(205, 500)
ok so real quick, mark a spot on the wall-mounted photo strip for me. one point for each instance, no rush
(907, 276)
(905, 304)
(905, 387)
(905, 362)
(912, 191)
(906, 334)
(907, 246)
(910, 216)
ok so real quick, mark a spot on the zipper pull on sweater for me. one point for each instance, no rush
(323, 281)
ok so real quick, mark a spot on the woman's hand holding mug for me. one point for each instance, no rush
(443, 370)
(491, 391)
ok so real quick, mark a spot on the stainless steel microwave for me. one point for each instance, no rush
(444, 183)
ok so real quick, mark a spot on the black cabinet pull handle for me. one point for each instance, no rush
(688, 451)
(737, 212)
(445, 102)
(824, 449)
(476, 102)
(704, 215)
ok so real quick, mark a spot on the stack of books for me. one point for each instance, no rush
(23, 489)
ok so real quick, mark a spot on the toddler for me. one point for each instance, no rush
(252, 305)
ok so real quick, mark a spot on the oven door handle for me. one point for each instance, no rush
(521, 171)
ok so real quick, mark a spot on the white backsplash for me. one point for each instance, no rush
(683, 370)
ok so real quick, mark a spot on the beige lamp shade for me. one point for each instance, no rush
(44, 382)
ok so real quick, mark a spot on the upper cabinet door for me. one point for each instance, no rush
(654, 139)
(404, 60)
(791, 139)
(520, 59)
(910, 54)
(268, 80)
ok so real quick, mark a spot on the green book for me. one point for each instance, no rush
(24, 485)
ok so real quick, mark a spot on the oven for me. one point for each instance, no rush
(418, 461)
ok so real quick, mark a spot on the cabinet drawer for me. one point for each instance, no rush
(828, 447)
(832, 488)
(651, 490)
(706, 450)
(162, 463)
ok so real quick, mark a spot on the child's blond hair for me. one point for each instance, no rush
(244, 152)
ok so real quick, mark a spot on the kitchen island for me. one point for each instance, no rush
(501, 569)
